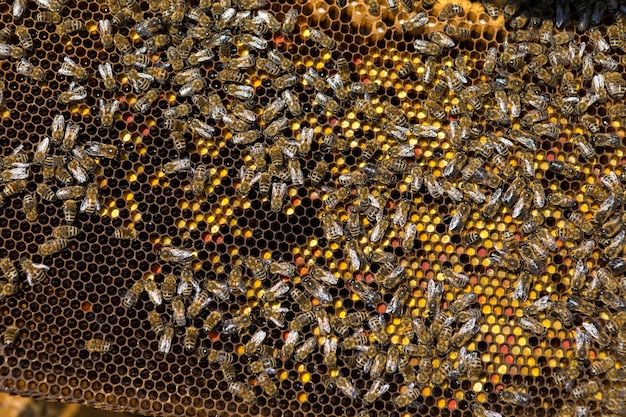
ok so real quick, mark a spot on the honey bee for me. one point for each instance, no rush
(104, 28)
(266, 365)
(17, 186)
(229, 371)
(201, 128)
(379, 229)
(279, 190)
(69, 68)
(5, 34)
(211, 321)
(240, 92)
(533, 325)
(65, 231)
(52, 246)
(207, 106)
(585, 390)
(144, 102)
(107, 112)
(35, 273)
(176, 255)
(403, 400)
(98, 345)
(292, 102)
(377, 388)
(156, 322)
(460, 217)
(8, 289)
(609, 140)
(165, 342)
(377, 325)
(258, 270)
(289, 23)
(219, 289)
(435, 110)
(241, 390)
(200, 301)
(602, 366)
(154, 293)
(132, 295)
(515, 397)
(24, 67)
(301, 299)
(74, 93)
(158, 41)
(365, 293)
(377, 365)
(10, 335)
(237, 324)
(91, 202)
(24, 37)
(9, 51)
(187, 283)
(142, 81)
(292, 339)
(108, 79)
(445, 371)
(415, 21)
(478, 409)
(9, 270)
(168, 287)
(322, 40)
(191, 336)
(17, 171)
(399, 298)
(319, 173)
(267, 385)
(255, 341)
(316, 289)
(305, 349)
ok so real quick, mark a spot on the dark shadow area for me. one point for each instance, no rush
(575, 14)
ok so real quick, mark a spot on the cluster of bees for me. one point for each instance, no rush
(542, 87)
(68, 175)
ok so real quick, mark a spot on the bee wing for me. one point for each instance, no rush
(114, 106)
(92, 148)
(406, 150)
(41, 267)
(182, 286)
(328, 277)
(30, 279)
(69, 61)
(335, 82)
(84, 204)
(330, 346)
(292, 337)
(434, 290)
(165, 343)
(104, 26)
(323, 323)
(78, 172)
(543, 303)
(43, 145)
(280, 288)
(103, 74)
(470, 327)
(590, 328)
(181, 253)
(258, 337)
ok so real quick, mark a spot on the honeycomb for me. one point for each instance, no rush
(437, 230)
